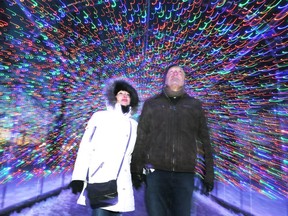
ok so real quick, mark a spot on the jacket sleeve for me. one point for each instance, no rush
(82, 160)
(141, 148)
(203, 134)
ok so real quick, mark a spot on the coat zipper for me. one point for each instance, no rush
(173, 106)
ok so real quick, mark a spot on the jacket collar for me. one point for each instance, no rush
(117, 109)
(170, 93)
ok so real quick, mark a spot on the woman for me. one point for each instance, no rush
(103, 146)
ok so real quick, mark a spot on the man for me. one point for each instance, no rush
(169, 125)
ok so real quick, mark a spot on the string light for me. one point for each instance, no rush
(55, 59)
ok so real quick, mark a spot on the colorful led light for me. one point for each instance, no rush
(55, 60)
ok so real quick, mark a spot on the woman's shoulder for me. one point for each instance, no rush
(98, 115)
(134, 122)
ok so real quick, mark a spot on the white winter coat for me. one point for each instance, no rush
(102, 146)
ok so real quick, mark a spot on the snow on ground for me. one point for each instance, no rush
(65, 205)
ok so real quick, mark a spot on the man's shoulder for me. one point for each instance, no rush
(155, 97)
(193, 102)
(191, 98)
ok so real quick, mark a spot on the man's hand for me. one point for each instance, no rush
(76, 186)
(207, 187)
(137, 180)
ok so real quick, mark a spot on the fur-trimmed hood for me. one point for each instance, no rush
(114, 86)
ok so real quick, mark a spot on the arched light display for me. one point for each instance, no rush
(56, 56)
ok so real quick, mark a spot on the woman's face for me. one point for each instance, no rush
(123, 98)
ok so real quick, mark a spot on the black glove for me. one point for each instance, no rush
(137, 180)
(76, 186)
(207, 187)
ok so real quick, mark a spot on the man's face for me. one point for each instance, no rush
(175, 78)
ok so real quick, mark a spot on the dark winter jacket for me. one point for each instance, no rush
(167, 134)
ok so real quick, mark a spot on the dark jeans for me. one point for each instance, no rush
(169, 193)
(102, 212)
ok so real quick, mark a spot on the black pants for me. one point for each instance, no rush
(169, 193)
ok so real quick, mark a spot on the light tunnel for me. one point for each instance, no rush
(56, 57)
